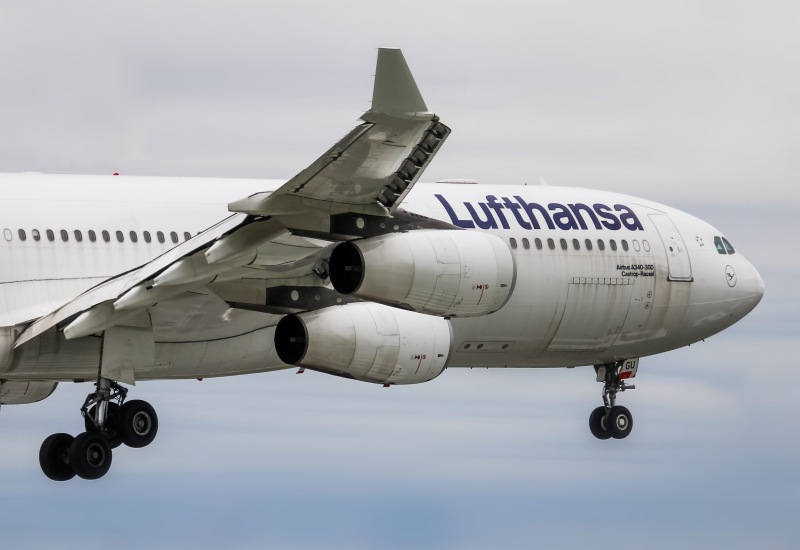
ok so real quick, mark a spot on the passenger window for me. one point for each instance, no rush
(526, 244)
(576, 244)
(613, 244)
(538, 242)
(728, 246)
(563, 244)
(551, 244)
(134, 237)
(36, 235)
(50, 235)
(646, 246)
(106, 236)
(186, 235)
(146, 235)
(22, 235)
(78, 236)
(160, 236)
(173, 236)
(600, 244)
(513, 242)
(588, 244)
(636, 246)
(64, 235)
(120, 236)
(7, 234)
(92, 235)
(624, 245)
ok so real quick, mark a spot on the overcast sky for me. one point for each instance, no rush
(695, 104)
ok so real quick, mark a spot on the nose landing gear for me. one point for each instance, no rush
(109, 422)
(612, 420)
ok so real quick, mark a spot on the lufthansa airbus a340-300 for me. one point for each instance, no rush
(350, 268)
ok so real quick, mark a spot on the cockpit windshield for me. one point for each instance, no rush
(723, 245)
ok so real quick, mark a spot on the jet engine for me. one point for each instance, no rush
(366, 341)
(446, 273)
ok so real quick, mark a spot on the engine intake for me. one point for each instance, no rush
(366, 341)
(446, 273)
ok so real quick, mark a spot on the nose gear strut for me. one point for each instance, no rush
(611, 420)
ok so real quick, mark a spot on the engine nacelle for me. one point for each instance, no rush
(14, 392)
(365, 341)
(447, 273)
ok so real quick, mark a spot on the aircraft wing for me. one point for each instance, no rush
(284, 236)
(369, 171)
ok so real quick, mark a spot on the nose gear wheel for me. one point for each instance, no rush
(611, 420)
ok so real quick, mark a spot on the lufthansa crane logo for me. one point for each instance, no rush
(730, 276)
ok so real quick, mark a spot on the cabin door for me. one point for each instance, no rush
(680, 267)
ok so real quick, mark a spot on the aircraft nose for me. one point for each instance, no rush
(759, 284)
(752, 288)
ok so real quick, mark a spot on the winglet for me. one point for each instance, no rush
(395, 92)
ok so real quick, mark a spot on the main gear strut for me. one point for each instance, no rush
(109, 421)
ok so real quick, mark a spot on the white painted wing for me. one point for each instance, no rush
(109, 291)
(368, 172)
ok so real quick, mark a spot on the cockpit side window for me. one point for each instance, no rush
(719, 245)
(728, 247)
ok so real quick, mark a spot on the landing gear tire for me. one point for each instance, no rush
(598, 423)
(109, 421)
(111, 435)
(612, 420)
(136, 423)
(90, 455)
(54, 457)
(619, 422)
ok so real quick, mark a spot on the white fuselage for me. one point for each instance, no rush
(653, 279)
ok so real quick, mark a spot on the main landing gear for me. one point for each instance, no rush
(109, 421)
(611, 420)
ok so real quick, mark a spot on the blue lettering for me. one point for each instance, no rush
(578, 208)
(488, 223)
(564, 218)
(514, 207)
(465, 224)
(487, 215)
(610, 221)
(497, 207)
(628, 218)
(529, 208)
